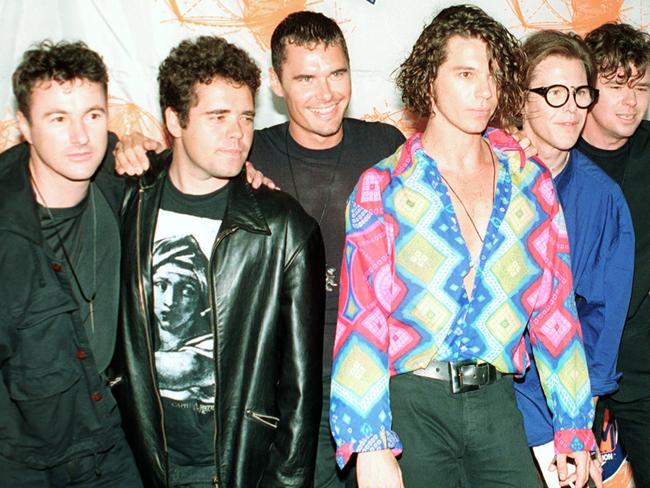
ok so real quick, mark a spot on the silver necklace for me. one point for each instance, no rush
(330, 271)
(89, 298)
(471, 220)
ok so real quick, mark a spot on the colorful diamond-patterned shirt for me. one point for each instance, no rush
(403, 301)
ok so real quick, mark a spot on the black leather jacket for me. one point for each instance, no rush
(266, 276)
(54, 405)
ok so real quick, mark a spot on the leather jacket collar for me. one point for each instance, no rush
(242, 212)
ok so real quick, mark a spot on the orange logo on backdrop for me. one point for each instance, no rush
(402, 119)
(259, 16)
(580, 16)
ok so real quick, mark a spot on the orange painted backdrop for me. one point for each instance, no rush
(135, 35)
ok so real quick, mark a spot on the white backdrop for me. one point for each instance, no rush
(135, 35)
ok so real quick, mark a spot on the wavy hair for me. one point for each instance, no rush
(615, 46)
(61, 62)
(418, 72)
(200, 61)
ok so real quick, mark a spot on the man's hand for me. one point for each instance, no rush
(131, 154)
(596, 469)
(579, 478)
(522, 139)
(378, 469)
(256, 178)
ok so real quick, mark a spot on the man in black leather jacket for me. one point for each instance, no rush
(222, 296)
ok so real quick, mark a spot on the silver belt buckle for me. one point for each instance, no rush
(456, 376)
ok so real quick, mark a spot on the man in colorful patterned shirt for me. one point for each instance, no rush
(455, 245)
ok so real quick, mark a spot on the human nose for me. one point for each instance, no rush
(629, 96)
(235, 130)
(324, 90)
(486, 87)
(570, 105)
(167, 297)
(78, 132)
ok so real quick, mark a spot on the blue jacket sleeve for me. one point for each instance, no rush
(604, 294)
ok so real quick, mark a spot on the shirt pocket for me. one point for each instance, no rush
(46, 401)
(46, 336)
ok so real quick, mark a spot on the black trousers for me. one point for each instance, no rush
(327, 474)
(114, 468)
(474, 439)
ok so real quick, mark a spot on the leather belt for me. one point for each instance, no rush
(463, 376)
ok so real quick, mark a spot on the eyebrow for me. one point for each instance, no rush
(66, 112)
(222, 111)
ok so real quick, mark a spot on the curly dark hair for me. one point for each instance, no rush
(419, 70)
(201, 60)
(61, 62)
(304, 28)
(615, 46)
(545, 43)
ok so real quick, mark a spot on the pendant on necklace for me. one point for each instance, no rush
(330, 278)
(91, 312)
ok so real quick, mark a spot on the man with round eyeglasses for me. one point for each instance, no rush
(561, 73)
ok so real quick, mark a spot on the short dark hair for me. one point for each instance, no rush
(304, 28)
(545, 43)
(201, 60)
(61, 62)
(615, 46)
(420, 69)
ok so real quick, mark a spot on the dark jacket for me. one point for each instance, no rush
(266, 280)
(54, 406)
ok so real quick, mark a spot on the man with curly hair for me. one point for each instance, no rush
(618, 139)
(59, 261)
(316, 156)
(222, 295)
(456, 245)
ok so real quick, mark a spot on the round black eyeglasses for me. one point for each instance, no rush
(558, 95)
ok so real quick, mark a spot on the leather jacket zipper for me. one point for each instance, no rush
(145, 316)
(268, 420)
(213, 322)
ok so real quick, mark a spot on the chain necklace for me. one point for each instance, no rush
(89, 298)
(330, 271)
(471, 220)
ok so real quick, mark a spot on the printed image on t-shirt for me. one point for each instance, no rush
(184, 353)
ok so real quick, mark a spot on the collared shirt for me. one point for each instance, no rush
(403, 301)
(602, 259)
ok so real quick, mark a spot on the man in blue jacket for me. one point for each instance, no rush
(560, 79)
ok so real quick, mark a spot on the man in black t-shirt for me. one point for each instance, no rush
(317, 157)
(59, 262)
(618, 139)
(222, 295)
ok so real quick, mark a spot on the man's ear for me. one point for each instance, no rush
(173, 122)
(24, 127)
(276, 85)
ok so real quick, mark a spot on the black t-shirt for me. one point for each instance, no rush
(90, 237)
(186, 228)
(322, 180)
(629, 166)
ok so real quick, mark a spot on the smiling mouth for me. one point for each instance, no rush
(324, 111)
(627, 117)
